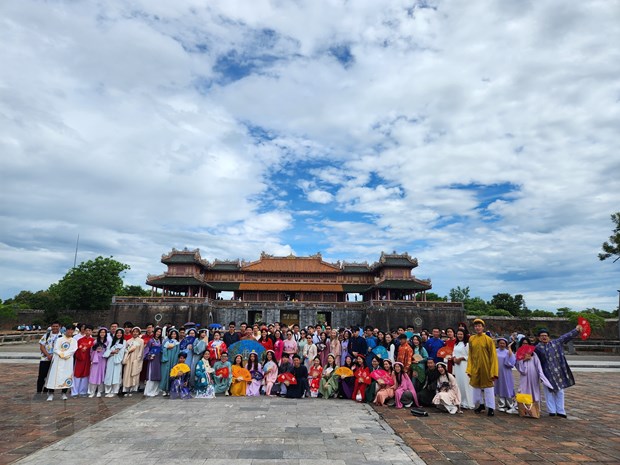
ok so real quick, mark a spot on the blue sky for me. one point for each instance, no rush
(480, 138)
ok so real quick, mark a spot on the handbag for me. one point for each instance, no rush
(527, 407)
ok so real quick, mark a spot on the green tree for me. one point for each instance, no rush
(459, 294)
(611, 248)
(504, 301)
(542, 313)
(477, 306)
(135, 291)
(563, 312)
(596, 321)
(7, 313)
(90, 285)
(432, 297)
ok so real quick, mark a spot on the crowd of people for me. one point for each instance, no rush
(449, 369)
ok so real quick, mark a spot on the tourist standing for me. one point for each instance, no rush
(405, 353)
(114, 366)
(504, 384)
(482, 368)
(290, 344)
(433, 344)
(98, 364)
(531, 374)
(133, 362)
(46, 345)
(334, 346)
(169, 357)
(81, 370)
(60, 374)
(310, 351)
(152, 357)
(216, 348)
(556, 369)
(231, 335)
(459, 358)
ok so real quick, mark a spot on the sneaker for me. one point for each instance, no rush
(502, 409)
(98, 394)
(512, 411)
(490, 413)
(408, 405)
(50, 397)
(109, 395)
(90, 396)
(562, 415)
(64, 397)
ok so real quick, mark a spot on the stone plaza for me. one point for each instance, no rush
(264, 430)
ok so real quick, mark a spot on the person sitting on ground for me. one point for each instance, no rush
(428, 389)
(448, 397)
(179, 379)
(404, 392)
(300, 372)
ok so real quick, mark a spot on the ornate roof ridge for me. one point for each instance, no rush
(194, 253)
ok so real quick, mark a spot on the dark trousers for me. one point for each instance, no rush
(44, 367)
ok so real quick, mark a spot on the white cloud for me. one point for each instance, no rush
(117, 122)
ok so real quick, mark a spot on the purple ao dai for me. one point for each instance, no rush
(504, 385)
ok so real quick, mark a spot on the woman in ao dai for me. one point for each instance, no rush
(114, 355)
(459, 369)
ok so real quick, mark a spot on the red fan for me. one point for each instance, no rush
(524, 350)
(444, 352)
(383, 376)
(364, 377)
(223, 372)
(585, 324)
(287, 378)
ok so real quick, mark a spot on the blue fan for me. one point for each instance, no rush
(215, 326)
(381, 352)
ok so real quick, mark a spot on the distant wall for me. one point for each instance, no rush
(381, 314)
(504, 325)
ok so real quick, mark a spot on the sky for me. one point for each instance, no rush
(480, 137)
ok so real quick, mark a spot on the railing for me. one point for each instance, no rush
(280, 303)
(28, 336)
(158, 300)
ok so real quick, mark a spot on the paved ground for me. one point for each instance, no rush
(591, 434)
(28, 423)
(235, 431)
(308, 431)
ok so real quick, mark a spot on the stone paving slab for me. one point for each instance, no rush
(28, 423)
(590, 435)
(235, 431)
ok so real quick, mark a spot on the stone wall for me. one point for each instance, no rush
(381, 314)
(504, 325)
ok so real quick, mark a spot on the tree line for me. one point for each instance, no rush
(88, 286)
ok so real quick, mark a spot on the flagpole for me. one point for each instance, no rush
(76, 250)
